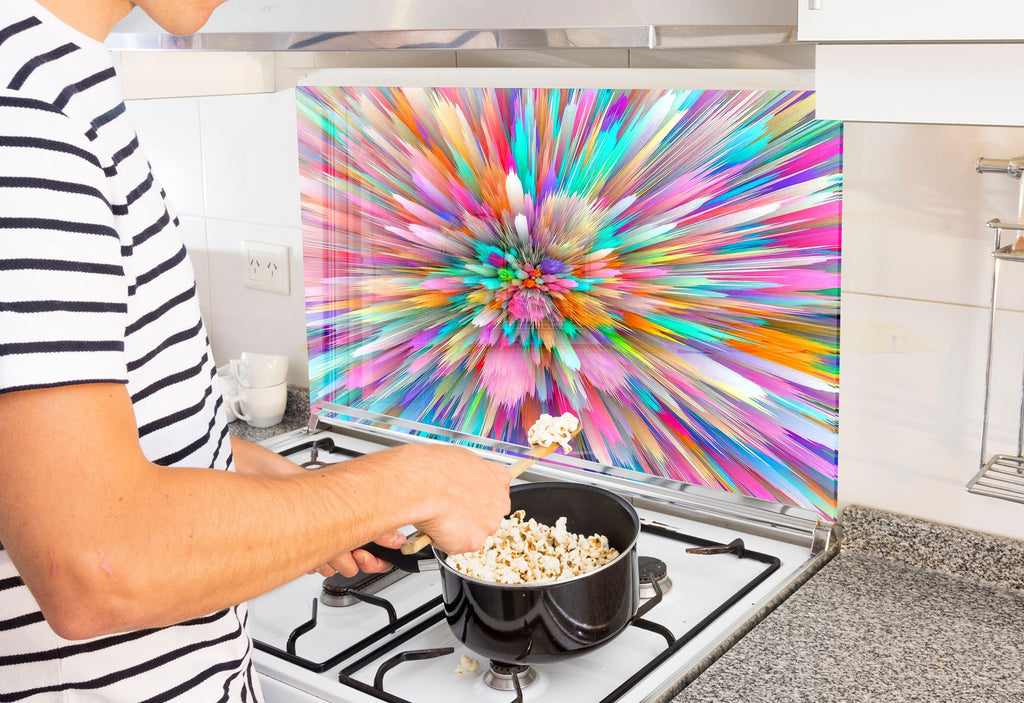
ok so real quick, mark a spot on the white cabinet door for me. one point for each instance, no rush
(928, 61)
(910, 20)
(927, 83)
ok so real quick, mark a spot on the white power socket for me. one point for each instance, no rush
(265, 267)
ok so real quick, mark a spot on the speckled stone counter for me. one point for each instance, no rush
(296, 414)
(908, 611)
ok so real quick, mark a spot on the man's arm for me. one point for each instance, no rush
(250, 458)
(107, 541)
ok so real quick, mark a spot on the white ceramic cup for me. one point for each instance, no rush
(260, 407)
(228, 387)
(259, 370)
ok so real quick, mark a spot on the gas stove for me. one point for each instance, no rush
(712, 565)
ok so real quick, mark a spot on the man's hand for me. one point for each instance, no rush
(467, 496)
(351, 563)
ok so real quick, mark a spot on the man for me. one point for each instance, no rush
(124, 555)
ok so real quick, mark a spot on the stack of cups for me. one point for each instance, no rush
(254, 388)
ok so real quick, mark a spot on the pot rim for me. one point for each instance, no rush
(441, 555)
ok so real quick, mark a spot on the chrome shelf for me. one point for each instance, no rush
(1006, 252)
(1001, 477)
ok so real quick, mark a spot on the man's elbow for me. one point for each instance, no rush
(88, 602)
(72, 623)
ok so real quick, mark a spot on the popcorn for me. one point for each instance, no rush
(467, 665)
(553, 430)
(525, 551)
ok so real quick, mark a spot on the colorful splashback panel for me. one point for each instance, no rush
(662, 263)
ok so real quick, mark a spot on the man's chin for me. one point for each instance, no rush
(182, 19)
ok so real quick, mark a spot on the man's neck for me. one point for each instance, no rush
(94, 18)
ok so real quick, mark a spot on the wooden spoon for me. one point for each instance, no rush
(418, 540)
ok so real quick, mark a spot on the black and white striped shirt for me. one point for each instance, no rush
(95, 286)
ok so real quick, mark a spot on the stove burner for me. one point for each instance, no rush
(653, 568)
(314, 463)
(325, 444)
(501, 676)
(340, 591)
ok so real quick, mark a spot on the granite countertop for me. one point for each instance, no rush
(907, 611)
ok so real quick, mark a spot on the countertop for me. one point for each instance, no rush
(908, 610)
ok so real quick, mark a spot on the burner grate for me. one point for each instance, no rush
(772, 565)
(369, 640)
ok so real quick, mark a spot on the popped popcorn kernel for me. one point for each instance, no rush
(525, 551)
(549, 430)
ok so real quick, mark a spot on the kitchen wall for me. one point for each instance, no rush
(916, 269)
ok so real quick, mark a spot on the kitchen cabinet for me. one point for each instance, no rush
(910, 21)
(934, 62)
(972, 84)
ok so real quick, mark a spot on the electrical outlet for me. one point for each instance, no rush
(265, 267)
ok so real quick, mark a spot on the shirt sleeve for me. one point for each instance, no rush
(63, 290)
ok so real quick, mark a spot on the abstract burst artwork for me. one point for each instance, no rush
(662, 263)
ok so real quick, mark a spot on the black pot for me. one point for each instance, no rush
(542, 622)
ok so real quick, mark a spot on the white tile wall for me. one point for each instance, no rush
(914, 211)
(916, 277)
(169, 133)
(910, 421)
(245, 319)
(250, 158)
(917, 280)
(195, 73)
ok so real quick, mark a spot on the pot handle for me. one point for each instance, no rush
(414, 563)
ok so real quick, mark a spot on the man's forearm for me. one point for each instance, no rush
(251, 458)
(224, 538)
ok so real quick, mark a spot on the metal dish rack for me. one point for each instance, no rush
(1001, 475)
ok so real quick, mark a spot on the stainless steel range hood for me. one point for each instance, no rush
(368, 25)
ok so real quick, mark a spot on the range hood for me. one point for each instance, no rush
(368, 25)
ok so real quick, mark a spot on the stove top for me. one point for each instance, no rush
(706, 573)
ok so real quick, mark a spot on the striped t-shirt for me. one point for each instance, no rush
(95, 286)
